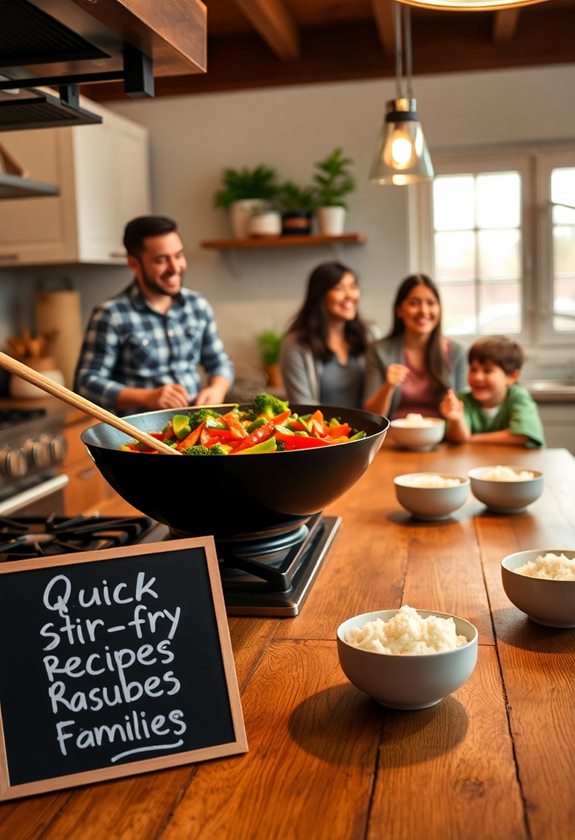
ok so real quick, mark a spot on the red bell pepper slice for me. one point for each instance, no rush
(291, 442)
(341, 430)
(234, 424)
(257, 436)
(262, 432)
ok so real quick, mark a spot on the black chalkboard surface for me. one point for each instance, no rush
(114, 662)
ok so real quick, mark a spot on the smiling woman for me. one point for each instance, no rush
(410, 369)
(322, 356)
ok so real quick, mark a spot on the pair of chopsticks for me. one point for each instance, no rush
(88, 407)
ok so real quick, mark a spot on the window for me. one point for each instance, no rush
(496, 231)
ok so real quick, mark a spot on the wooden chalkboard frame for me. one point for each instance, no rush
(180, 549)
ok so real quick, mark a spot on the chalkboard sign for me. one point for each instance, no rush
(114, 662)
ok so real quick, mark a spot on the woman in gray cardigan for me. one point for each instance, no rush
(322, 355)
(410, 370)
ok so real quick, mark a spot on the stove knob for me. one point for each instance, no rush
(58, 448)
(39, 451)
(13, 463)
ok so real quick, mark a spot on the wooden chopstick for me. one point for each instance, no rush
(81, 403)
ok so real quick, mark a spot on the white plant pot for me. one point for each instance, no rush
(241, 214)
(265, 224)
(331, 220)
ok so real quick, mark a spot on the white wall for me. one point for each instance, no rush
(194, 138)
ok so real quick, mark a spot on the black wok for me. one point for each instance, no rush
(234, 497)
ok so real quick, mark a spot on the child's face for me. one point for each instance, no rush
(489, 382)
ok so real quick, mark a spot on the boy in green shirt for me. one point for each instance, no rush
(496, 409)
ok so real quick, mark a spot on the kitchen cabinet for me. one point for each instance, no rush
(86, 487)
(103, 175)
(559, 424)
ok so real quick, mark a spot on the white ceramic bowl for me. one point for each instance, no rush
(420, 438)
(506, 496)
(407, 681)
(430, 503)
(548, 602)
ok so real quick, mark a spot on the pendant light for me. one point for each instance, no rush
(471, 5)
(402, 156)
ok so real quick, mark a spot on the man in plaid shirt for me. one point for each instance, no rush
(142, 348)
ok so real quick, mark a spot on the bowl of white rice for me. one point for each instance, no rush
(407, 658)
(417, 432)
(541, 583)
(506, 489)
(431, 496)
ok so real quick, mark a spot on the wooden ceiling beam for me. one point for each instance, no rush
(505, 25)
(383, 14)
(273, 22)
(452, 44)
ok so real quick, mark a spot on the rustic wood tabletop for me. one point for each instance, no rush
(493, 760)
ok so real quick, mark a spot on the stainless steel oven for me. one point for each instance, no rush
(32, 449)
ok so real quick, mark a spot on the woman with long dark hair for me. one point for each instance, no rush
(322, 355)
(411, 369)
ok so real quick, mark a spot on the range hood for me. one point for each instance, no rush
(64, 43)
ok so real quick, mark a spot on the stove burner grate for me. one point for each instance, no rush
(27, 537)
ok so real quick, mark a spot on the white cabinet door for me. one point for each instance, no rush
(104, 179)
(37, 230)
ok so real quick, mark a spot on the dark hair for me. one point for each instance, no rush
(142, 227)
(499, 350)
(310, 322)
(434, 358)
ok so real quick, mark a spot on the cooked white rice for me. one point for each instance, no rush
(415, 421)
(406, 633)
(500, 473)
(430, 480)
(549, 567)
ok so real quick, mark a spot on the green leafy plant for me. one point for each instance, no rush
(292, 198)
(269, 344)
(333, 180)
(245, 183)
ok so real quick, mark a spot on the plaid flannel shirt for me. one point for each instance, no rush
(129, 345)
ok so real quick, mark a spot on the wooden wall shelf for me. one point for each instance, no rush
(259, 242)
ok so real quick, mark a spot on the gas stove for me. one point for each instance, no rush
(270, 577)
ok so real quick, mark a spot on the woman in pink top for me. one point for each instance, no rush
(410, 369)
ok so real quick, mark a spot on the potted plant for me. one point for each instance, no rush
(297, 205)
(242, 190)
(269, 343)
(265, 220)
(332, 182)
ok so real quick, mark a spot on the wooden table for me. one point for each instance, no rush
(494, 760)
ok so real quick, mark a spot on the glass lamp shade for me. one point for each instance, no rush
(402, 156)
(470, 5)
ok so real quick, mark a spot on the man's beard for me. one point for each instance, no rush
(154, 286)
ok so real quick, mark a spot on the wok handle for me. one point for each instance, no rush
(81, 403)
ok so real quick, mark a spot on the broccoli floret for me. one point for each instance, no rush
(197, 417)
(216, 449)
(196, 450)
(268, 405)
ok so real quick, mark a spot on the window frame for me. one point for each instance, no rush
(534, 164)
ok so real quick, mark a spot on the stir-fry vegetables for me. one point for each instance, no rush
(268, 425)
